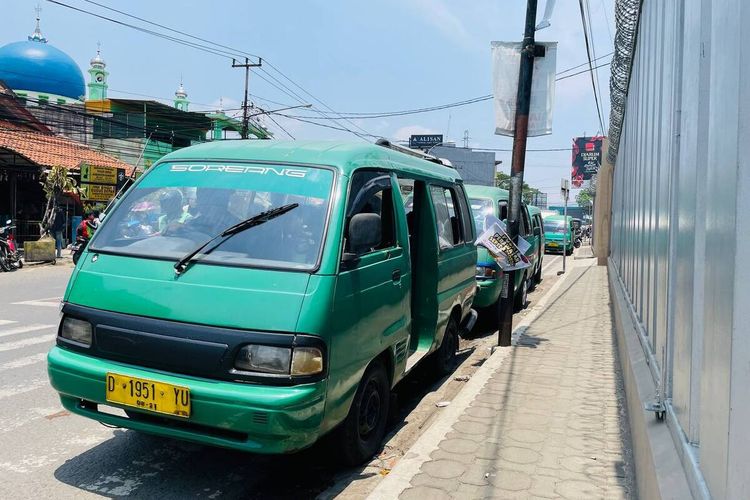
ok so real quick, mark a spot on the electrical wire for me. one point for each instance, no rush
(591, 67)
(232, 53)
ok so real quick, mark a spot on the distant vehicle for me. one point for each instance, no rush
(494, 201)
(558, 234)
(258, 295)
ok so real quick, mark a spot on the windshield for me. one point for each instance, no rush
(480, 209)
(176, 207)
(554, 226)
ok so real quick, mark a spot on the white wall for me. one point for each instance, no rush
(681, 225)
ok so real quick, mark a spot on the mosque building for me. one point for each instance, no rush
(52, 86)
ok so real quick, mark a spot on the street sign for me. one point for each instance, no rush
(587, 158)
(425, 141)
(564, 188)
(97, 192)
(98, 174)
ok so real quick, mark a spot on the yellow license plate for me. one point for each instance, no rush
(148, 395)
(552, 244)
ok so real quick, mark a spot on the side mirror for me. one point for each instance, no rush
(349, 261)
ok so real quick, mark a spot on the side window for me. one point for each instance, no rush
(525, 223)
(466, 218)
(370, 222)
(446, 216)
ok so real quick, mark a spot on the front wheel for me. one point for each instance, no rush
(364, 427)
(522, 296)
(4, 262)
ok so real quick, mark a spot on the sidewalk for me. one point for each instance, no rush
(544, 418)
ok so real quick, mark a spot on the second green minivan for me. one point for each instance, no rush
(258, 295)
(491, 201)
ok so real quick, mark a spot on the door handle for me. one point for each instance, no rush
(396, 274)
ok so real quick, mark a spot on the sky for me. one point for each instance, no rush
(355, 56)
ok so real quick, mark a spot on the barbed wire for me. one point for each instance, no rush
(627, 19)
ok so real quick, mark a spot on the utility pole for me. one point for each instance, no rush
(529, 50)
(565, 191)
(247, 65)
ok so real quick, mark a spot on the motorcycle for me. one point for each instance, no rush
(78, 247)
(9, 257)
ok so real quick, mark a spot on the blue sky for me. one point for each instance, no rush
(356, 56)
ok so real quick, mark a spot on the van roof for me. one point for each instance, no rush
(345, 156)
(477, 191)
(558, 217)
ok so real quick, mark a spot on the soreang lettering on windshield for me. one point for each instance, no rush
(241, 169)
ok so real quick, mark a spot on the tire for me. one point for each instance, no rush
(362, 432)
(4, 262)
(444, 359)
(521, 299)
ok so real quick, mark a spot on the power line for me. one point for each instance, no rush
(591, 67)
(233, 53)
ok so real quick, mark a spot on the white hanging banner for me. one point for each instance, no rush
(506, 63)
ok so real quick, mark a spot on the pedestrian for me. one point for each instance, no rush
(86, 228)
(58, 228)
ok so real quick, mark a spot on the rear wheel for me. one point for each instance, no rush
(444, 359)
(537, 278)
(364, 427)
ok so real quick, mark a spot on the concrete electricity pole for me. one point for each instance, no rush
(247, 65)
(529, 50)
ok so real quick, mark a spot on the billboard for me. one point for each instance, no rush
(587, 158)
(100, 183)
(425, 141)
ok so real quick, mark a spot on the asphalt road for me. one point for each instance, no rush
(45, 452)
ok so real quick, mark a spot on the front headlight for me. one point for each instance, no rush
(264, 359)
(280, 360)
(307, 361)
(76, 330)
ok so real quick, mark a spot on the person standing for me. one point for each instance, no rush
(57, 229)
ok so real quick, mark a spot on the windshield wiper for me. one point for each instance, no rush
(253, 221)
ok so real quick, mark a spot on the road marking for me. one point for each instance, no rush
(21, 362)
(22, 389)
(7, 322)
(27, 342)
(51, 302)
(25, 329)
(554, 260)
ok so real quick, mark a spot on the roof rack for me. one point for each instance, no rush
(412, 152)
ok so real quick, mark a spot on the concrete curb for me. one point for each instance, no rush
(400, 477)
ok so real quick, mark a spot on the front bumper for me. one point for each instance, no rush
(248, 417)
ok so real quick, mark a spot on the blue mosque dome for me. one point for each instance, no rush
(34, 65)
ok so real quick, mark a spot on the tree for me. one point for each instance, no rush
(502, 180)
(585, 197)
(55, 182)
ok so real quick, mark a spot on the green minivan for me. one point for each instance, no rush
(487, 200)
(558, 234)
(258, 295)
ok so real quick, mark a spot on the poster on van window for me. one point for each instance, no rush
(497, 241)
